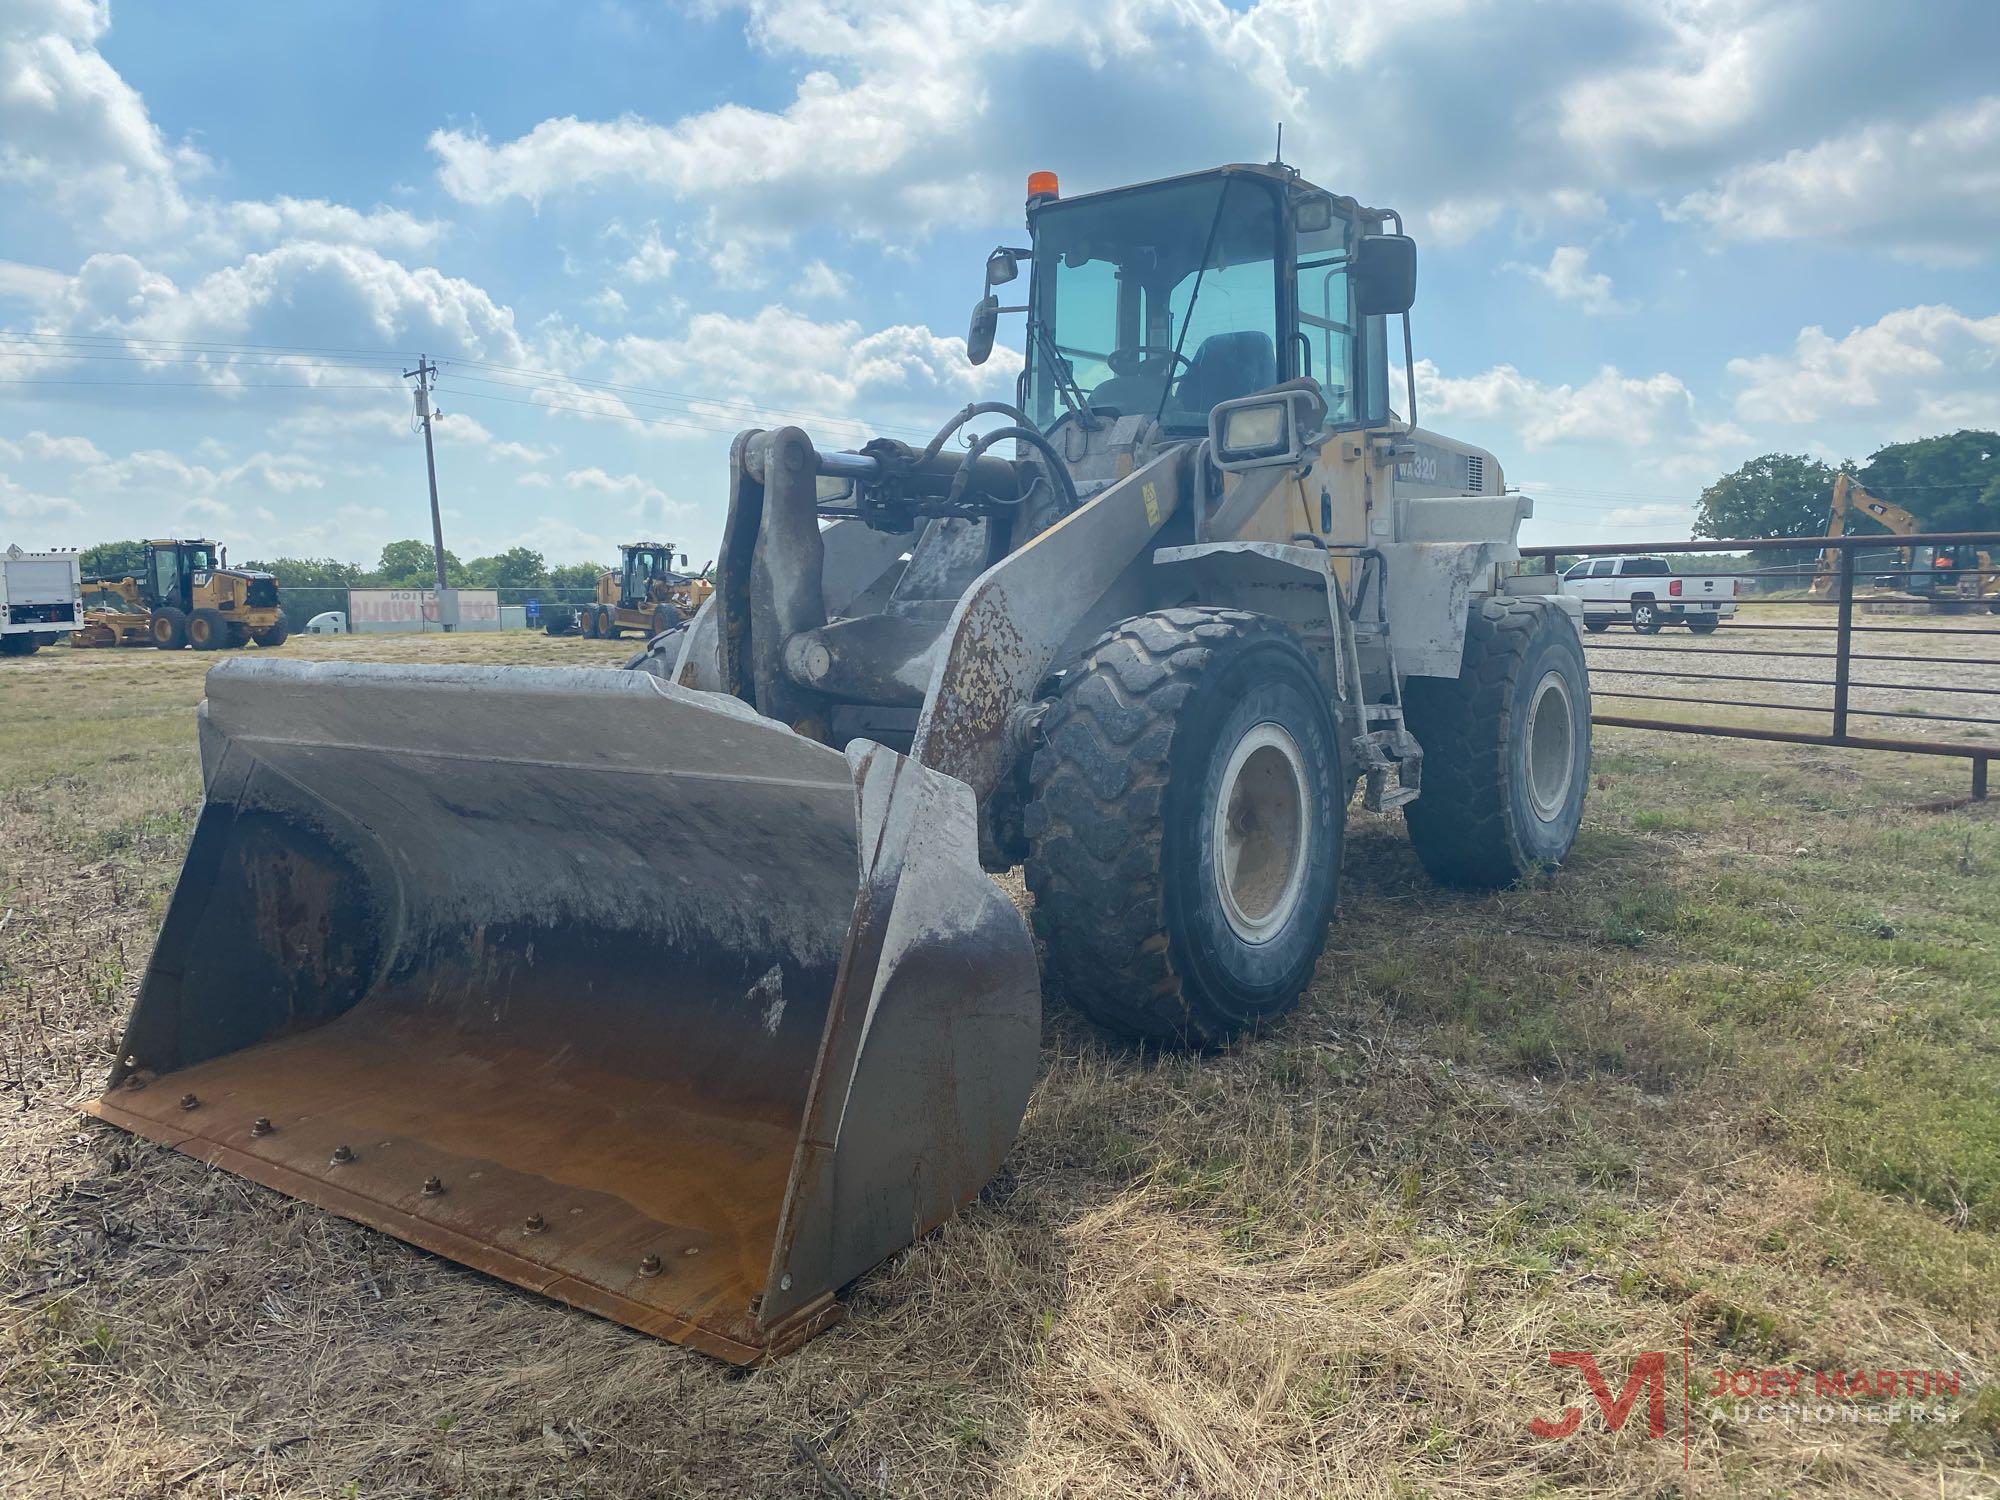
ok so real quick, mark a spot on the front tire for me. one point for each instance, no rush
(1506, 748)
(1597, 626)
(1185, 826)
(169, 628)
(208, 630)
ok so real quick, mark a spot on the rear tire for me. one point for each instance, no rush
(169, 629)
(208, 630)
(1704, 624)
(273, 635)
(665, 618)
(1185, 826)
(25, 644)
(1506, 748)
(1645, 617)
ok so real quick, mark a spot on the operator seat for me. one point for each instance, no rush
(1227, 365)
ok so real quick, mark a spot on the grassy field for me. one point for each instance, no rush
(1727, 1088)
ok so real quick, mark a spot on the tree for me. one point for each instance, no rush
(1780, 494)
(573, 583)
(516, 568)
(408, 565)
(1951, 482)
(113, 560)
(294, 573)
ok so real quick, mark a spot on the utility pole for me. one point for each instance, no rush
(424, 374)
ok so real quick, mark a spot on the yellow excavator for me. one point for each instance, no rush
(186, 595)
(1949, 576)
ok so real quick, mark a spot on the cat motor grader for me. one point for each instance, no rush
(1145, 636)
(186, 595)
(646, 592)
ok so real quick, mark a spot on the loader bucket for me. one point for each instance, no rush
(608, 987)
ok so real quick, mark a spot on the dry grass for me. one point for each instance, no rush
(1735, 1070)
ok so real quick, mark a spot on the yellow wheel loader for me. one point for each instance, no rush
(1146, 635)
(187, 595)
(644, 593)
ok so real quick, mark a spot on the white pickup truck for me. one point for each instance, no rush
(41, 599)
(1647, 593)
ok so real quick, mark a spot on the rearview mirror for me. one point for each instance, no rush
(1384, 274)
(985, 322)
(1001, 267)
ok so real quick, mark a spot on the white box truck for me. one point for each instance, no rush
(41, 599)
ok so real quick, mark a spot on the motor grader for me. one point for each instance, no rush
(1145, 634)
(186, 595)
(645, 592)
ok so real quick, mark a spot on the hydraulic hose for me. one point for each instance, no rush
(976, 409)
(1057, 471)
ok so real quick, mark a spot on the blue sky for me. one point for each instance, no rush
(1657, 237)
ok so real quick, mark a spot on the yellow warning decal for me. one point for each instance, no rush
(1152, 499)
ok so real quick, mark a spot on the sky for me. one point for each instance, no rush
(1656, 238)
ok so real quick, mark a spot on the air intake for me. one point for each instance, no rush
(1475, 475)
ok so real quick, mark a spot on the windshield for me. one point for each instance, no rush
(1131, 317)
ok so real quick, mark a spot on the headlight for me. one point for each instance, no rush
(1253, 431)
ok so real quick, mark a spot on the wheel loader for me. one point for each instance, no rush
(643, 593)
(1145, 630)
(187, 595)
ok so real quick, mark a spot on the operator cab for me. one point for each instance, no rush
(1163, 300)
(646, 563)
(177, 569)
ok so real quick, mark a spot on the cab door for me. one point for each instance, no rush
(165, 582)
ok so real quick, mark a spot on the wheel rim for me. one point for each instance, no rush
(1262, 833)
(1551, 746)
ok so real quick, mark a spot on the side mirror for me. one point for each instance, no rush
(1001, 266)
(1384, 274)
(985, 323)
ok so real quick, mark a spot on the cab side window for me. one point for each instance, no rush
(1604, 568)
(1327, 325)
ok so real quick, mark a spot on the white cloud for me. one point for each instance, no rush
(1928, 367)
(41, 446)
(1930, 191)
(1569, 278)
(26, 283)
(608, 304)
(819, 282)
(71, 127)
(20, 505)
(784, 358)
(301, 295)
(651, 259)
(1611, 409)
(234, 225)
(646, 501)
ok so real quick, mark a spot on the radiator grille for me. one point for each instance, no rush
(1475, 475)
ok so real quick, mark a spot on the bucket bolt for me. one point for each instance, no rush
(649, 1265)
(433, 1186)
(342, 1155)
(534, 1225)
(190, 1101)
(260, 1126)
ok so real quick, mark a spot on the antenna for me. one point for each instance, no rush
(1278, 158)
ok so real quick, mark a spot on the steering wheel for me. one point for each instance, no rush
(1133, 361)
